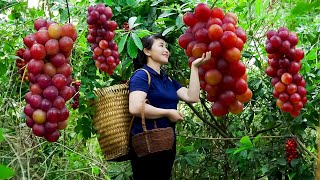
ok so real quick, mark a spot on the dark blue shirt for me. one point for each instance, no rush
(162, 93)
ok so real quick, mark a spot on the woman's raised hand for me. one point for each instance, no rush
(205, 57)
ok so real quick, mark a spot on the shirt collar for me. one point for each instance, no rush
(152, 71)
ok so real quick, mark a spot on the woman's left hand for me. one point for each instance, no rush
(205, 57)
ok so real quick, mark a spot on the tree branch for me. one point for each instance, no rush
(212, 117)
(265, 130)
(207, 122)
(234, 138)
(305, 149)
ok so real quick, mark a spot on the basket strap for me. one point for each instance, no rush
(143, 121)
(143, 108)
(149, 77)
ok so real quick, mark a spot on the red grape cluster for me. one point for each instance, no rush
(76, 86)
(125, 27)
(284, 65)
(21, 63)
(101, 34)
(291, 149)
(49, 74)
(224, 76)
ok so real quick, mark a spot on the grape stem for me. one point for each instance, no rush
(68, 10)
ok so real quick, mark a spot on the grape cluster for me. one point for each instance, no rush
(291, 149)
(49, 74)
(125, 27)
(284, 65)
(101, 34)
(76, 87)
(224, 76)
(21, 63)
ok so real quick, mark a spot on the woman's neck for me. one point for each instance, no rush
(155, 66)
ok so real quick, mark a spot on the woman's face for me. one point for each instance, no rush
(159, 51)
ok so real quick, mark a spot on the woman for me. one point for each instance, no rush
(163, 95)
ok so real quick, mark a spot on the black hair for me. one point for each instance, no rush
(147, 43)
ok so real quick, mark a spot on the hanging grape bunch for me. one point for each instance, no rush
(76, 87)
(224, 76)
(284, 65)
(49, 73)
(21, 63)
(101, 34)
(291, 150)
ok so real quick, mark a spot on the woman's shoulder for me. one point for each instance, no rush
(140, 75)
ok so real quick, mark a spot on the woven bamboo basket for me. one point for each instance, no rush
(112, 120)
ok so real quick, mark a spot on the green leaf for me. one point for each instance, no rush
(258, 63)
(3, 69)
(188, 148)
(312, 54)
(132, 48)
(90, 95)
(95, 170)
(135, 25)
(244, 153)
(163, 19)
(131, 2)
(6, 47)
(84, 125)
(264, 169)
(122, 42)
(294, 162)
(156, 2)
(257, 10)
(1, 135)
(240, 149)
(165, 14)
(265, 4)
(131, 21)
(281, 161)
(107, 177)
(229, 151)
(118, 8)
(256, 139)
(169, 29)
(301, 8)
(179, 21)
(6, 172)
(119, 177)
(142, 33)
(292, 174)
(137, 40)
(190, 160)
(109, 2)
(245, 140)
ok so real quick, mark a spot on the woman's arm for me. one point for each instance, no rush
(137, 100)
(191, 94)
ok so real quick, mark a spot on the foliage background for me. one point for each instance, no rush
(234, 147)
